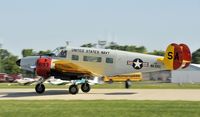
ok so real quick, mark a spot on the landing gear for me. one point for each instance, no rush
(85, 87)
(127, 84)
(110, 81)
(73, 89)
(40, 88)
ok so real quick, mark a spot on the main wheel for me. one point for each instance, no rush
(127, 84)
(85, 87)
(73, 89)
(40, 88)
(110, 81)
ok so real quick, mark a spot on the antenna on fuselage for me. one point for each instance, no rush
(67, 43)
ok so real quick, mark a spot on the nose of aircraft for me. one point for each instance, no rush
(18, 62)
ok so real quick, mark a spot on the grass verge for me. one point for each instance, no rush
(117, 85)
(99, 108)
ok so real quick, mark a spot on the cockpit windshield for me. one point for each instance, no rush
(59, 52)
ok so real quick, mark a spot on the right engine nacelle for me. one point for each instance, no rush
(43, 67)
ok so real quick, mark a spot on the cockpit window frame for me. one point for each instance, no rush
(60, 52)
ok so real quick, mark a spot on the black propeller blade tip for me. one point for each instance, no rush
(18, 62)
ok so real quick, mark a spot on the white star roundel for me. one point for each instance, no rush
(137, 63)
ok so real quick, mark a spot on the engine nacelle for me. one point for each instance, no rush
(43, 67)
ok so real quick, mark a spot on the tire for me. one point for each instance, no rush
(85, 87)
(40, 88)
(127, 84)
(110, 81)
(73, 89)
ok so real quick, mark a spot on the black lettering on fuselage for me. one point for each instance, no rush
(176, 57)
(104, 52)
(170, 55)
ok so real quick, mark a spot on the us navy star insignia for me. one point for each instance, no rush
(137, 63)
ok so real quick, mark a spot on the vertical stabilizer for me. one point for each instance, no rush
(177, 56)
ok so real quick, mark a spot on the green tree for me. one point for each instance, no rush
(130, 48)
(196, 56)
(4, 54)
(44, 52)
(31, 52)
(7, 62)
(89, 45)
(27, 52)
(157, 52)
(9, 65)
(141, 49)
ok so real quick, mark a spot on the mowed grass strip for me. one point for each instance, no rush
(116, 85)
(99, 108)
(151, 85)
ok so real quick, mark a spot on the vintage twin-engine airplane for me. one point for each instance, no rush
(78, 65)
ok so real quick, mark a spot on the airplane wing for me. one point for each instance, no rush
(26, 81)
(70, 67)
(58, 82)
(64, 82)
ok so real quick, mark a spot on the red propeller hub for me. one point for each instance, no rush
(43, 67)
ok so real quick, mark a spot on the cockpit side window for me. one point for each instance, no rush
(59, 52)
(63, 53)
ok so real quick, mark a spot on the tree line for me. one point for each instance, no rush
(8, 60)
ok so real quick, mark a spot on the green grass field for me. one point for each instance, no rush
(151, 85)
(99, 108)
(135, 85)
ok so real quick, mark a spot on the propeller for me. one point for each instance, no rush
(18, 62)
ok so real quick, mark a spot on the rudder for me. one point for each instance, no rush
(186, 55)
(173, 57)
(177, 56)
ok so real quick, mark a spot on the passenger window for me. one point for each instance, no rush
(92, 59)
(109, 60)
(75, 57)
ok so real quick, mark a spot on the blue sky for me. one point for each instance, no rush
(46, 24)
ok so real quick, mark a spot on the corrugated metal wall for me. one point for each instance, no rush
(185, 76)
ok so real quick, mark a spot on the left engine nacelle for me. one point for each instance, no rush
(43, 67)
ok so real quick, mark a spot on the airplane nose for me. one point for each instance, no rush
(18, 62)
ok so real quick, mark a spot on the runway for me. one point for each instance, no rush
(103, 94)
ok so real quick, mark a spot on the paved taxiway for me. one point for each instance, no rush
(103, 94)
